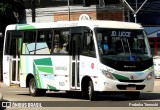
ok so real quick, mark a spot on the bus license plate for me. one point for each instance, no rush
(131, 88)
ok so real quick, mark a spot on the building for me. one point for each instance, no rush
(57, 10)
(153, 33)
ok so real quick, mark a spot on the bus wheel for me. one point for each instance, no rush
(135, 95)
(32, 88)
(91, 93)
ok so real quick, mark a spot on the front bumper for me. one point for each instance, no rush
(115, 85)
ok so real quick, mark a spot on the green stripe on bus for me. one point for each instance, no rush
(24, 27)
(148, 69)
(117, 76)
(44, 62)
(51, 87)
(45, 69)
(34, 68)
(38, 80)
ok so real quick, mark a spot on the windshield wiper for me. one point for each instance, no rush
(129, 48)
(122, 45)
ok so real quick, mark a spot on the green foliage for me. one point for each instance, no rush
(3, 8)
(7, 10)
(7, 7)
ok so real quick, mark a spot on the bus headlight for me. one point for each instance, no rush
(150, 75)
(108, 74)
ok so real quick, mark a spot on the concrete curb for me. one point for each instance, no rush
(1, 97)
(2, 85)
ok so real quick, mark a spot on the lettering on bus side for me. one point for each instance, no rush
(121, 33)
(67, 25)
(64, 68)
(61, 84)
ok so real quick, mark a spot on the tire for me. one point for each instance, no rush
(33, 90)
(91, 93)
(85, 93)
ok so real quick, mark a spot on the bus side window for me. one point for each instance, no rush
(88, 45)
(44, 40)
(7, 43)
(61, 41)
(29, 40)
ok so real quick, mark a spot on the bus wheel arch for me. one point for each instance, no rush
(33, 90)
(29, 77)
(87, 88)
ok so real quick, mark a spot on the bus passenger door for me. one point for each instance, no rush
(11, 71)
(15, 59)
(76, 41)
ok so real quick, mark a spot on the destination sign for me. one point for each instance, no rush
(121, 33)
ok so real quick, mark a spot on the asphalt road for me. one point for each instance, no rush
(20, 99)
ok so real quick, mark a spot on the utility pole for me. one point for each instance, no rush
(134, 11)
(33, 8)
(68, 11)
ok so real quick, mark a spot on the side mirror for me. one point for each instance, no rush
(1, 34)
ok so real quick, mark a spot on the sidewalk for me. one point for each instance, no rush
(157, 82)
(1, 96)
(2, 85)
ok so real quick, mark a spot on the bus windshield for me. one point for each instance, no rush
(122, 45)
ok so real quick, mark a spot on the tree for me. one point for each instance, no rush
(11, 12)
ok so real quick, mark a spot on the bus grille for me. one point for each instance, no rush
(123, 87)
(131, 81)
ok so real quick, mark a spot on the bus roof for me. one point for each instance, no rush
(89, 23)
